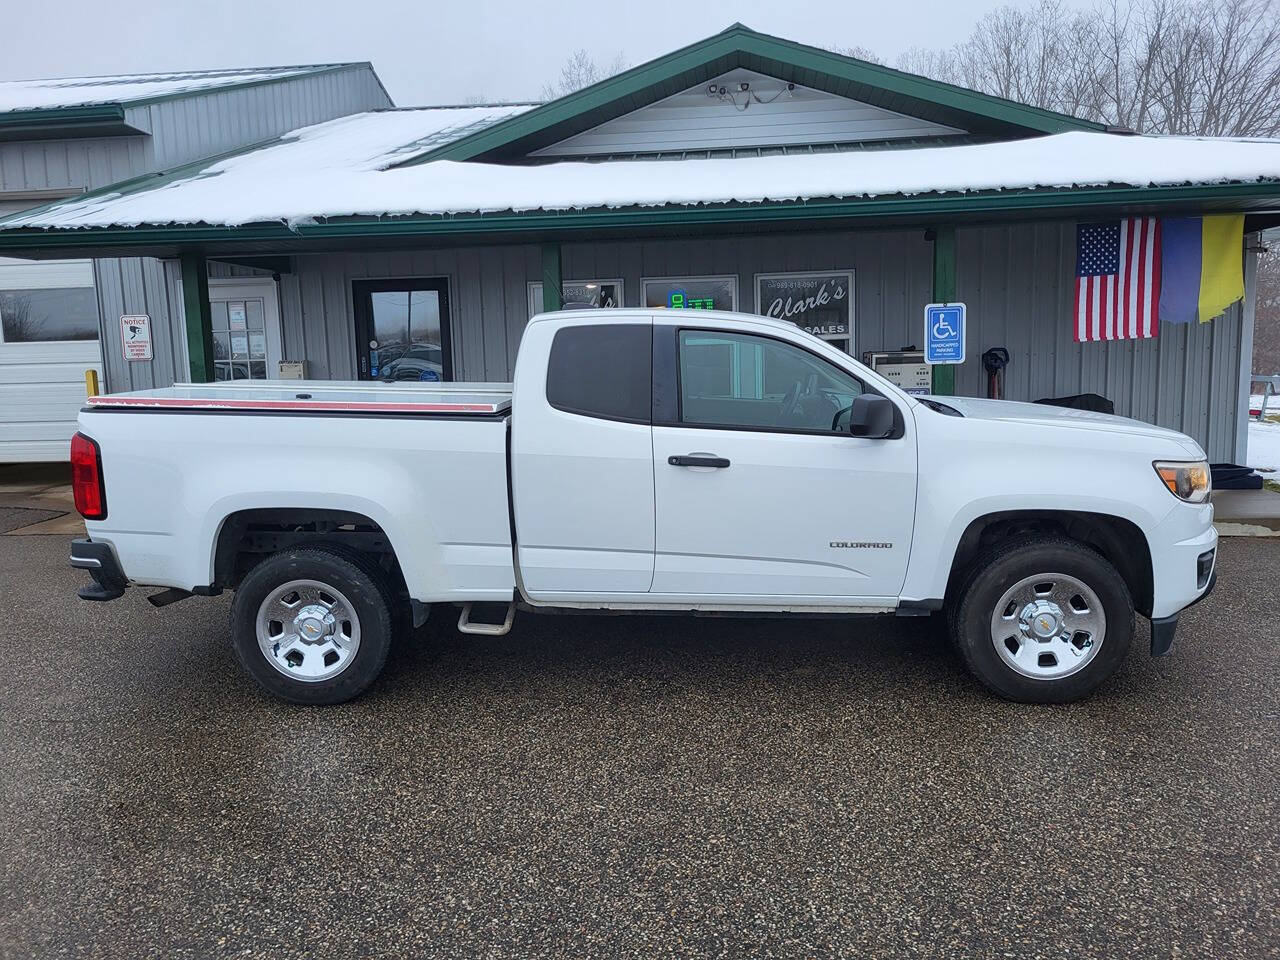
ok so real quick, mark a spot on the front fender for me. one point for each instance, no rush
(972, 469)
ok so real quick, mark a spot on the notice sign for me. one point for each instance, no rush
(820, 303)
(135, 335)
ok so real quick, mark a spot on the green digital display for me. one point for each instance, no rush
(690, 293)
(679, 300)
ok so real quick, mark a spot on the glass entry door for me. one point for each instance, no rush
(246, 328)
(402, 330)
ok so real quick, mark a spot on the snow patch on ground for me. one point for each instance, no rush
(1264, 446)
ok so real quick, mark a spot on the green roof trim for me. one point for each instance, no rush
(739, 46)
(101, 120)
(923, 209)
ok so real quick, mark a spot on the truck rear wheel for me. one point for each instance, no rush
(312, 626)
(1042, 620)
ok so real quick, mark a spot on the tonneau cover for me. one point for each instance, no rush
(318, 396)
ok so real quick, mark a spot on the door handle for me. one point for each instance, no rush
(693, 461)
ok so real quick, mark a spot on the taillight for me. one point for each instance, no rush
(86, 478)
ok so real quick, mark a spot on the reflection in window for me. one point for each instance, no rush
(730, 379)
(406, 329)
(47, 301)
(592, 293)
(32, 316)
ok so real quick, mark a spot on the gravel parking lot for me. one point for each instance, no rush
(630, 787)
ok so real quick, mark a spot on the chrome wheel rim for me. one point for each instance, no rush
(1048, 626)
(308, 630)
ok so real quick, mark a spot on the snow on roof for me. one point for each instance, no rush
(342, 168)
(90, 91)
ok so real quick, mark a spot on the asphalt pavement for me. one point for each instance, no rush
(631, 787)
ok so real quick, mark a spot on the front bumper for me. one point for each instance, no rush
(1163, 628)
(100, 560)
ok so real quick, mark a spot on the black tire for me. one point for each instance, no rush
(397, 604)
(358, 580)
(998, 569)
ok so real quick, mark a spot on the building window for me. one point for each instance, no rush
(47, 301)
(691, 293)
(402, 329)
(595, 293)
(239, 340)
(819, 302)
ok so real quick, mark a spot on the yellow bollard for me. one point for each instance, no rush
(91, 383)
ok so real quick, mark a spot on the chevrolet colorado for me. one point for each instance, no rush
(645, 460)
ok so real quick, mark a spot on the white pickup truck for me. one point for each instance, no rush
(645, 460)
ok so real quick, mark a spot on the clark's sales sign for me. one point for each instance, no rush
(820, 302)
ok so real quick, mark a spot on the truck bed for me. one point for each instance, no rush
(426, 463)
(320, 396)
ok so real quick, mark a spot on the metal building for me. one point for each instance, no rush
(65, 137)
(248, 264)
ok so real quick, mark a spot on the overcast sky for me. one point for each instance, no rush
(430, 52)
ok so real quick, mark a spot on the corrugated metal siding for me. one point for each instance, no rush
(182, 130)
(487, 293)
(72, 165)
(189, 128)
(893, 271)
(693, 120)
(1018, 282)
(220, 270)
(142, 285)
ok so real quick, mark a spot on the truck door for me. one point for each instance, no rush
(758, 496)
(582, 459)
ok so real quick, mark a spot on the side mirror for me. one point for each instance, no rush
(871, 416)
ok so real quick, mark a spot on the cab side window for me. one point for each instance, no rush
(749, 382)
(603, 371)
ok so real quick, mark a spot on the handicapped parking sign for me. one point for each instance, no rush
(944, 333)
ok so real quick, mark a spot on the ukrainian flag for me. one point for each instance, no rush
(1202, 266)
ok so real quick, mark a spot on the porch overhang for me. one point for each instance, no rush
(1260, 201)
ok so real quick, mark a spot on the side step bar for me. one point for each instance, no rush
(465, 625)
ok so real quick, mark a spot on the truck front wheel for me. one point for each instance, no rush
(312, 626)
(1042, 620)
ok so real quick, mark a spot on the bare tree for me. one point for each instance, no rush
(858, 53)
(1206, 67)
(1197, 67)
(20, 325)
(1266, 323)
(581, 70)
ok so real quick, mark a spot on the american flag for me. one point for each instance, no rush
(1117, 279)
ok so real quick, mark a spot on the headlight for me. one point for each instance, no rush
(1186, 481)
